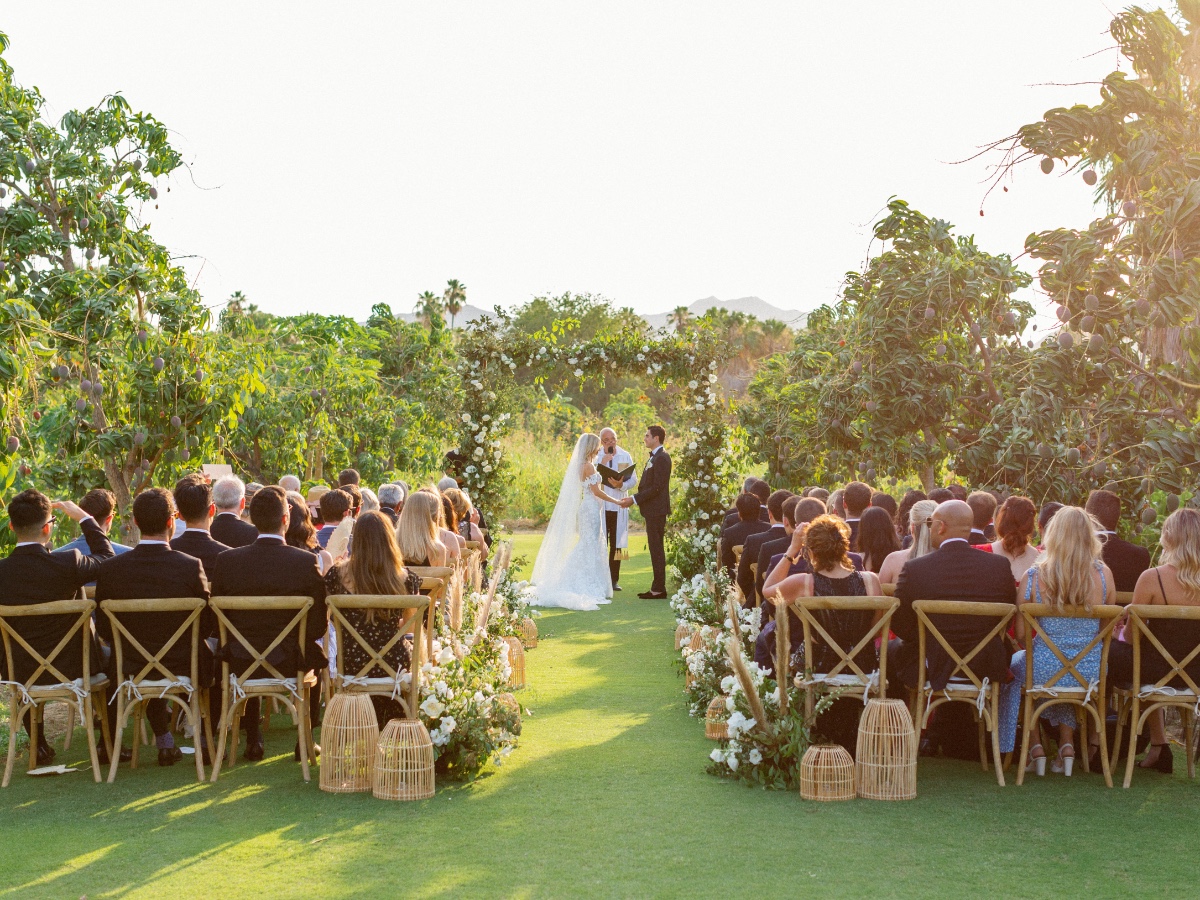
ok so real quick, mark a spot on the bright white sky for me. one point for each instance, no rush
(344, 154)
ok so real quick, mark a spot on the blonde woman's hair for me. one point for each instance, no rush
(589, 445)
(460, 502)
(1181, 548)
(417, 530)
(1064, 572)
(918, 524)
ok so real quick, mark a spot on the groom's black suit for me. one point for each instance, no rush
(654, 500)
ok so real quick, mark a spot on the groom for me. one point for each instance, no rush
(654, 501)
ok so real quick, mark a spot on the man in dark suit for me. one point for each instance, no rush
(736, 535)
(795, 511)
(150, 571)
(270, 568)
(954, 572)
(654, 501)
(348, 476)
(335, 506)
(1127, 561)
(746, 579)
(193, 502)
(759, 489)
(31, 574)
(229, 495)
(983, 507)
(856, 498)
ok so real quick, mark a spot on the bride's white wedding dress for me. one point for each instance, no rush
(571, 569)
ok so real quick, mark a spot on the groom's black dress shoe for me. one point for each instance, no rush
(652, 595)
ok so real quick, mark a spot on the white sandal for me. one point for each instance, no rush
(1063, 764)
(1036, 763)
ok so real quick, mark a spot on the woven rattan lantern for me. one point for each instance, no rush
(403, 762)
(516, 662)
(826, 773)
(697, 641)
(529, 633)
(348, 738)
(682, 633)
(886, 752)
(715, 719)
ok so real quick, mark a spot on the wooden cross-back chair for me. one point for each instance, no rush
(154, 680)
(1090, 699)
(1136, 702)
(260, 677)
(410, 612)
(846, 673)
(754, 580)
(964, 685)
(434, 583)
(26, 695)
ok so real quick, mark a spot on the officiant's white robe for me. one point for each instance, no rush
(621, 459)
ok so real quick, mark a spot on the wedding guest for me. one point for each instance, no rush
(301, 534)
(32, 574)
(270, 568)
(836, 504)
(449, 539)
(370, 503)
(957, 491)
(101, 505)
(759, 489)
(983, 505)
(150, 571)
(1174, 582)
(918, 531)
(856, 498)
(391, 501)
(1069, 575)
(375, 567)
(417, 533)
(467, 530)
(251, 489)
(1014, 531)
(769, 549)
(445, 483)
(449, 524)
(335, 506)
(1127, 561)
(1045, 515)
(753, 543)
(229, 495)
(194, 503)
(289, 483)
(653, 501)
(807, 510)
(348, 476)
(910, 499)
(731, 513)
(954, 571)
(877, 537)
(940, 495)
(315, 494)
(735, 535)
(886, 502)
(356, 498)
(818, 493)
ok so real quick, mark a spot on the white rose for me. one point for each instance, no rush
(693, 384)
(717, 755)
(755, 756)
(446, 656)
(449, 724)
(479, 698)
(433, 707)
(692, 445)
(579, 373)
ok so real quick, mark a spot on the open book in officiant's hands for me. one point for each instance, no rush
(608, 473)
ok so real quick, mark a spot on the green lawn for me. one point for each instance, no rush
(606, 796)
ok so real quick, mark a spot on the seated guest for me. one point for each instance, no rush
(750, 550)
(356, 498)
(983, 505)
(348, 476)
(315, 494)
(856, 498)
(827, 542)
(375, 567)
(194, 504)
(150, 571)
(270, 568)
(370, 503)
(391, 501)
(807, 510)
(229, 495)
(817, 493)
(731, 513)
(954, 571)
(1069, 575)
(301, 534)
(1174, 582)
(759, 489)
(100, 504)
(463, 509)
(444, 484)
(1127, 561)
(877, 537)
(449, 525)
(335, 506)
(940, 495)
(910, 499)
(33, 574)
(779, 545)
(918, 529)
(251, 489)
(735, 535)
(1014, 530)
(885, 502)
(957, 491)
(289, 483)
(836, 504)
(1045, 514)
(417, 532)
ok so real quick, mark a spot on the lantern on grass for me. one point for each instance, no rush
(516, 662)
(529, 633)
(715, 719)
(886, 752)
(349, 734)
(403, 762)
(826, 773)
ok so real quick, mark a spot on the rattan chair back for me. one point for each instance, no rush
(410, 612)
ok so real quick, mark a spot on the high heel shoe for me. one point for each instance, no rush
(1064, 764)
(1036, 763)
(1164, 762)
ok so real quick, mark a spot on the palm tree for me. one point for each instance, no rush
(453, 297)
(680, 316)
(428, 306)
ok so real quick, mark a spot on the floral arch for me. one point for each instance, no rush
(494, 358)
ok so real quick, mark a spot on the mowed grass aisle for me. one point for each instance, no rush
(606, 796)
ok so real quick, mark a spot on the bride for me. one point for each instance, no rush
(571, 569)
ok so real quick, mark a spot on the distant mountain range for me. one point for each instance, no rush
(752, 306)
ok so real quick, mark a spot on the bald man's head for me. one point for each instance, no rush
(952, 519)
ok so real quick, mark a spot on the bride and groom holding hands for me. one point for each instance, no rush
(579, 563)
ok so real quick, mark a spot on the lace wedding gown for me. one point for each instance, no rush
(581, 579)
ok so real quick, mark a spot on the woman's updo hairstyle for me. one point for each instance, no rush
(827, 542)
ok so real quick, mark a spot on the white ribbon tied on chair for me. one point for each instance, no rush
(26, 700)
(981, 700)
(239, 692)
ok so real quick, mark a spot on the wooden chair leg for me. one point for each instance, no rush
(70, 726)
(1083, 740)
(995, 729)
(34, 730)
(303, 736)
(1189, 723)
(139, 731)
(1026, 730)
(223, 731)
(235, 730)
(88, 715)
(1133, 734)
(14, 726)
(192, 716)
(114, 759)
(1105, 763)
(980, 729)
(104, 729)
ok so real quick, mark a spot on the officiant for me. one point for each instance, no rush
(616, 518)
